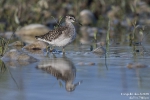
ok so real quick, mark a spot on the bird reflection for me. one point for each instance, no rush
(61, 68)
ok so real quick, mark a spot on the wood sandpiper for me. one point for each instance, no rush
(61, 36)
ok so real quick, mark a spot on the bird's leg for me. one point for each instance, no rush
(54, 55)
(63, 50)
(60, 83)
(47, 50)
(51, 49)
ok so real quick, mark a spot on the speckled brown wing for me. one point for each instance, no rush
(56, 73)
(53, 34)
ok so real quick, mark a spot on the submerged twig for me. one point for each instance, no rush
(106, 61)
(12, 77)
(4, 46)
(3, 68)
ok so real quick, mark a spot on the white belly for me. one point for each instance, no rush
(58, 42)
(61, 41)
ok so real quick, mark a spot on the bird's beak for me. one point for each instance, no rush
(78, 83)
(78, 23)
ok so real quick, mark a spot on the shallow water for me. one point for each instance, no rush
(101, 79)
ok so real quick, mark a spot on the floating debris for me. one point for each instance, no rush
(17, 43)
(35, 46)
(15, 55)
(86, 64)
(136, 65)
(99, 50)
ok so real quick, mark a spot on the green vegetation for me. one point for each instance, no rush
(107, 37)
(22, 12)
(4, 45)
(2, 67)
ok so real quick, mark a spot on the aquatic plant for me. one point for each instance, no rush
(4, 44)
(107, 36)
(2, 67)
(132, 35)
(136, 38)
(58, 22)
(107, 43)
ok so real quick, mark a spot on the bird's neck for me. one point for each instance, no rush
(69, 82)
(70, 25)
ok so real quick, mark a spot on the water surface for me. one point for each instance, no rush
(99, 81)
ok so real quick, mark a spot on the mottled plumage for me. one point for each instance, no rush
(66, 77)
(61, 36)
(53, 34)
